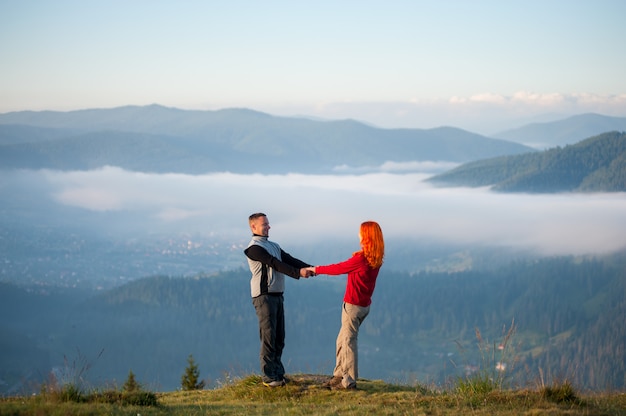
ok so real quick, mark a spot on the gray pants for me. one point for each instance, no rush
(347, 356)
(271, 314)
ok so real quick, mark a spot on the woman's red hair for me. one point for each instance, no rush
(372, 243)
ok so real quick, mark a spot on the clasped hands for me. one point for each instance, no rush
(307, 271)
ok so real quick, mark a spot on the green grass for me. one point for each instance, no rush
(305, 395)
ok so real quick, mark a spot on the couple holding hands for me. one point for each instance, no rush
(269, 264)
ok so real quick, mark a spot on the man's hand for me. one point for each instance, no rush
(307, 272)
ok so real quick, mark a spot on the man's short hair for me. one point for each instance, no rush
(255, 216)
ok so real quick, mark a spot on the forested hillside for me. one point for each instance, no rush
(567, 315)
(597, 164)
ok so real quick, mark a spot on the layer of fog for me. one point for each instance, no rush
(309, 209)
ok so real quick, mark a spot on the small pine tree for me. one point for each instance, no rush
(189, 380)
(131, 384)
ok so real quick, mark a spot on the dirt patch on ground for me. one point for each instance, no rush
(308, 380)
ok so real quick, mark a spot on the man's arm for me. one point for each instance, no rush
(258, 253)
(287, 258)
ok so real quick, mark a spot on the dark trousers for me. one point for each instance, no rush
(271, 314)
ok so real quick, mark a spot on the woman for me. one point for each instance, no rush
(362, 269)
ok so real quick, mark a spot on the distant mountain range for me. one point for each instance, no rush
(563, 132)
(159, 139)
(162, 140)
(597, 164)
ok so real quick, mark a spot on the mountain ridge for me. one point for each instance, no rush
(565, 131)
(249, 140)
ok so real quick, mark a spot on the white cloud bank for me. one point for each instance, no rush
(315, 207)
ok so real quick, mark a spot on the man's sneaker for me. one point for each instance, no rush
(274, 383)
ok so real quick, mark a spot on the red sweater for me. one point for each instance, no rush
(361, 278)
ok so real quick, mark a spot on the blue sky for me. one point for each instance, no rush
(479, 65)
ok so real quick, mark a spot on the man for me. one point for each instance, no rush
(269, 264)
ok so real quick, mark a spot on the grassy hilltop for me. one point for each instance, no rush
(305, 395)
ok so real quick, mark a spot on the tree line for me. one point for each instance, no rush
(597, 164)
